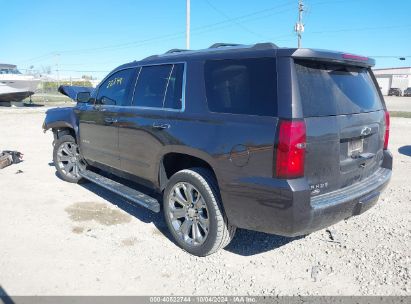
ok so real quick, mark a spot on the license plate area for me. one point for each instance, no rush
(355, 147)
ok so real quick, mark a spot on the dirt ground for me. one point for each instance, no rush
(58, 238)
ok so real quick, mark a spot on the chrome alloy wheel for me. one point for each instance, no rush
(69, 160)
(188, 214)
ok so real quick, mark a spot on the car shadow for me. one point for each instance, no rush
(245, 242)
(405, 150)
(4, 297)
(143, 214)
(248, 243)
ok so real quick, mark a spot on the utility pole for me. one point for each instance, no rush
(58, 69)
(299, 26)
(187, 24)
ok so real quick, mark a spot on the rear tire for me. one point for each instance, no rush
(194, 214)
(67, 159)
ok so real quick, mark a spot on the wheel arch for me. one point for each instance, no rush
(174, 161)
(60, 128)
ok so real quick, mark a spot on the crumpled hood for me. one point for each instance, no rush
(71, 91)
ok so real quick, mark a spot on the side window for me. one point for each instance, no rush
(152, 86)
(242, 86)
(174, 95)
(115, 90)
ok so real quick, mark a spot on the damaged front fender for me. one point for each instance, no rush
(61, 118)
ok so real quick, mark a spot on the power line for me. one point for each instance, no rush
(176, 35)
(389, 56)
(230, 19)
(256, 15)
(45, 56)
(362, 29)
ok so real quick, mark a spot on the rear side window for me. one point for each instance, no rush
(160, 86)
(335, 89)
(174, 94)
(151, 86)
(242, 86)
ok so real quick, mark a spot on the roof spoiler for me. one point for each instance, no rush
(336, 57)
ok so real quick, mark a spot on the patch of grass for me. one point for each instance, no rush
(400, 114)
(48, 98)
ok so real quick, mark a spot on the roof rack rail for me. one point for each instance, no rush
(175, 51)
(150, 57)
(265, 45)
(217, 45)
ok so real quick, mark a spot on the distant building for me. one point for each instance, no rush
(393, 78)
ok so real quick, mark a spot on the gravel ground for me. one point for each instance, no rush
(395, 103)
(58, 238)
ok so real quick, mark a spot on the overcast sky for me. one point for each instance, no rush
(93, 37)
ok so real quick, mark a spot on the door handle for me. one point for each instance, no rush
(110, 120)
(160, 126)
(99, 108)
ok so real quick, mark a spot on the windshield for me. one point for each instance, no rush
(335, 89)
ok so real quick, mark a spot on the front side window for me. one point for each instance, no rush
(114, 91)
(242, 86)
(160, 86)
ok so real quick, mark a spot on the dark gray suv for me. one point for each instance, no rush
(279, 140)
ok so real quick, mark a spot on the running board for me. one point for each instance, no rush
(122, 190)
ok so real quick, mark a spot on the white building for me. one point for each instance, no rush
(393, 78)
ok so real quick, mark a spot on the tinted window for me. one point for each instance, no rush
(333, 89)
(151, 86)
(244, 86)
(174, 94)
(115, 89)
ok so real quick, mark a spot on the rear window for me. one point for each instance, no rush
(335, 89)
(242, 86)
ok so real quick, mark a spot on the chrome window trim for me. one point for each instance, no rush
(168, 82)
(183, 92)
(140, 66)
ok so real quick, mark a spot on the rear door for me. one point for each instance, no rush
(345, 123)
(143, 127)
(98, 124)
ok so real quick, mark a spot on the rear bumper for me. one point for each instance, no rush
(286, 207)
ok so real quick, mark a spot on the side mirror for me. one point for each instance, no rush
(83, 97)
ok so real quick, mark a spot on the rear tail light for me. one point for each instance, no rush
(290, 149)
(387, 129)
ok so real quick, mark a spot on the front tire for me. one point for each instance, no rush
(194, 214)
(67, 159)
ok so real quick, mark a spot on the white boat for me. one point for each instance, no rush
(15, 86)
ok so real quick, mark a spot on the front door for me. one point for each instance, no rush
(98, 128)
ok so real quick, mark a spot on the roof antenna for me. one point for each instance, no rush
(299, 26)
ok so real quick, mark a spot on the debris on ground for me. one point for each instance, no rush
(333, 235)
(8, 158)
(5, 160)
